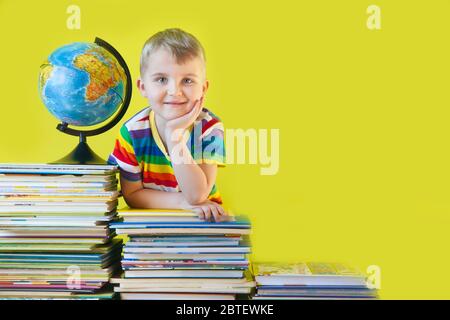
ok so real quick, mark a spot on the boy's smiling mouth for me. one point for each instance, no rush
(175, 103)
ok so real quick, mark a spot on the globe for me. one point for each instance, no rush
(82, 84)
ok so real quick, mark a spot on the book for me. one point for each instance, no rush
(185, 290)
(318, 291)
(52, 240)
(183, 250)
(175, 296)
(66, 192)
(56, 178)
(22, 232)
(45, 168)
(178, 244)
(172, 273)
(175, 224)
(173, 282)
(55, 184)
(56, 207)
(65, 247)
(180, 256)
(307, 274)
(161, 231)
(127, 211)
(53, 295)
(183, 263)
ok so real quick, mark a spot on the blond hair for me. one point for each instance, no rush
(181, 44)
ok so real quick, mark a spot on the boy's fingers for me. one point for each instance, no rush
(198, 109)
(195, 106)
(200, 103)
(190, 112)
(200, 213)
(216, 213)
(223, 214)
(222, 211)
(195, 111)
(207, 213)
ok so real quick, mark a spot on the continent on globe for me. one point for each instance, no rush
(102, 76)
(46, 70)
(82, 84)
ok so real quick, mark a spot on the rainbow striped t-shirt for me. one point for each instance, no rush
(141, 156)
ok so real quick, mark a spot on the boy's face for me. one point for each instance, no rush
(172, 88)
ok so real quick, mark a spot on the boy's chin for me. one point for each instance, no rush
(168, 115)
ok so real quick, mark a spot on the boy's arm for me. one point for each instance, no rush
(137, 196)
(194, 180)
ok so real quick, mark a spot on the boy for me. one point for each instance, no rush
(168, 153)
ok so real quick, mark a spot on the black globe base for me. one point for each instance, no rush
(82, 154)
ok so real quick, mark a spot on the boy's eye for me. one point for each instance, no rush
(188, 81)
(161, 80)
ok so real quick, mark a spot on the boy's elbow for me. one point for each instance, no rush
(129, 200)
(131, 197)
(196, 198)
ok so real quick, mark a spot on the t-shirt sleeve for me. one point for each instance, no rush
(212, 143)
(124, 156)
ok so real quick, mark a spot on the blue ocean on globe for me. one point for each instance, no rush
(82, 84)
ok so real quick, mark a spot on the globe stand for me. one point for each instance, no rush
(82, 154)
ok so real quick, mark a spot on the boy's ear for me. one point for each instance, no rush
(205, 86)
(141, 87)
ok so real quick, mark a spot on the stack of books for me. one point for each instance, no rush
(172, 254)
(55, 242)
(311, 280)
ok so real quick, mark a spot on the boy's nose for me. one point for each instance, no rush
(173, 89)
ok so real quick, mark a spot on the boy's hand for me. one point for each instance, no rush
(180, 124)
(210, 211)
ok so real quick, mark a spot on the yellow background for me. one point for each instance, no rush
(363, 115)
